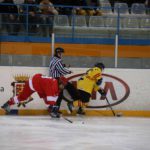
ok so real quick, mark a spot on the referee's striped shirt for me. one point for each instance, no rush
(56, 68)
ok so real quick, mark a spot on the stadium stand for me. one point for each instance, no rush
(86, 29)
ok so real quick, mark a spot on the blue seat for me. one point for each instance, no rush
(96, 21)
(18, 1)
(130, 22)
(61, 20)
(79, 21)
(145, 23)
(111, 21)
(122, 7)
(106, 8)
(138, 8)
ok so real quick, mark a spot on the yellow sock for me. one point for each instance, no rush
(84, 105)
(76, 103)
(79, 104)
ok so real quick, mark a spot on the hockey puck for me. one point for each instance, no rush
(119, 114)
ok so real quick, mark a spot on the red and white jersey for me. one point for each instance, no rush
(46, 87)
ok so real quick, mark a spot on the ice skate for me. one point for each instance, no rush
(6, 107)
(80, 111)
(54, 112)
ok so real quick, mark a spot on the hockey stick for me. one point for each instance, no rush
(70, 121)
(110, 107)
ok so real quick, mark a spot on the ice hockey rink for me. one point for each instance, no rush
(85, 133)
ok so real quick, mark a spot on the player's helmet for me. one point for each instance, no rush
(59, 50)
(100, 65)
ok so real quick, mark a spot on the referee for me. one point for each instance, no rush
(56, 67)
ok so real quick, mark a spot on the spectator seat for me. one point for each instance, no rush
(106, 8)
(96, 21)
(123, 8)
(61, 20)
(78, 20)
(145, 23)
(138, 8)
(111, 21)
(130, 22)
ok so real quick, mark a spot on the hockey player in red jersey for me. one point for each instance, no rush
(47, 88)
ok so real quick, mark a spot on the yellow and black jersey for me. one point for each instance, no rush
(94, 73)
(88, 81)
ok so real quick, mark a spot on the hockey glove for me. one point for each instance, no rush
(99, 82)
(102, 92)
(25, 102)
(22, 104)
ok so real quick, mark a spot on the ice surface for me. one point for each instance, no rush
(86, 133)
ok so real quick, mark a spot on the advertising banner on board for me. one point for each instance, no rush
(127, 89)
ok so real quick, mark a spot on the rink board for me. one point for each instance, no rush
(127, 91)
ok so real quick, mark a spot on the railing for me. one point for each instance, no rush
(78, 23)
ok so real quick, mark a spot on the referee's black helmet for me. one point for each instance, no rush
(59, 50)
(100, 65)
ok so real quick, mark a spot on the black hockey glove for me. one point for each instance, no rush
(22, 104)
(102, 92)
(99, 82)
(25, 102)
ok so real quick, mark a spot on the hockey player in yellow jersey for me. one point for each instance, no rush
(90, 81)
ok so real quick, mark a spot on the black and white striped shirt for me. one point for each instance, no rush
(56, 68)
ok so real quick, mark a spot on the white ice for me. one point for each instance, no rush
(86, 133)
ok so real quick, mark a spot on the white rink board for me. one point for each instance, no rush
(138, 81)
